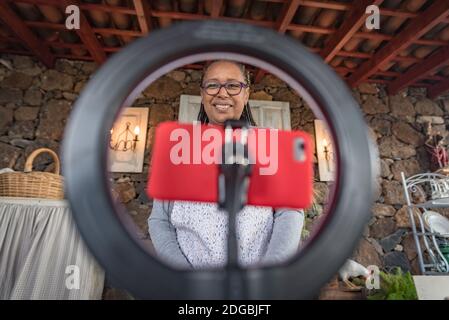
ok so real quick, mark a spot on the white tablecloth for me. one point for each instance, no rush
(41, 253)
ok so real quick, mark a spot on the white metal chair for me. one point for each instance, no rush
(424, 192)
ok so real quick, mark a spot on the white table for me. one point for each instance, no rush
(432, 287)
(42, 255)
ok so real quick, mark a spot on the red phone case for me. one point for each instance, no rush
(192, 176)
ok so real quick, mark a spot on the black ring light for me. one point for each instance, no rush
(116, 84)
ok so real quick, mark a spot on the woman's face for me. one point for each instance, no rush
(222, 106)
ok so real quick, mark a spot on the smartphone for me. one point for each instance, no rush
(186, 162)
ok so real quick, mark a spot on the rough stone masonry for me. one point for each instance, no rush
(35, 103)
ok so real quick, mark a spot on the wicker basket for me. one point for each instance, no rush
(31, 184)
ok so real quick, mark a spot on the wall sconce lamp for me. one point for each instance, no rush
(324, 151)
(126, 140)
(327, 153)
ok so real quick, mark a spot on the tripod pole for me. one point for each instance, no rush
(233, 183)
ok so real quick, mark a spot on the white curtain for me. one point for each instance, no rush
(41, 253)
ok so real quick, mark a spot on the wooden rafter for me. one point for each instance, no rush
(363, 35)
(357, 17)
(194, 16)
(216, 8)
(390, 74)
(58, 44)
(82, 6)
(87, 35)
(421, 70)
(143, 11)
(422, 73)
(334, 5)
(267, 24)
(107, 8)
(59, 26)
(28, 53)
(17, 26)
(364, 55)
(386, 82)
(438, 89)
(287, 14)
(415, 29)
(340, 6)
(284, 20)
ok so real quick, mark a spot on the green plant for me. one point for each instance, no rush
(395, 286)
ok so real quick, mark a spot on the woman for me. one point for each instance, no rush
(192, 234)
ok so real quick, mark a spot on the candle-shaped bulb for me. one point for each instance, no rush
(325, 142)
(137, 130)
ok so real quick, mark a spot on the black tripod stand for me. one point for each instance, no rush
(233, 182)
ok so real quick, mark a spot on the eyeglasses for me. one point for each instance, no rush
(233, 88)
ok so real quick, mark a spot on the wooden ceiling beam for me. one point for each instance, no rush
(310, 28)
(285, 17)
(363, 35)
(427, 67)
(307, 3)
(386, 82)
(17, 52)
(305, 28)
(21, 30)
(194, 16)
(58, 44)
(364, 55)
(390, 74)
(108, 8)
(82, 6)
(28, 53)
(357, 16)
(87, 35)
(59, 26)
(143, 11)
(333, 5)
(414, 30)
(74, 57)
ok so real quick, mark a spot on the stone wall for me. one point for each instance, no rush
(35, 103)
(399, 124)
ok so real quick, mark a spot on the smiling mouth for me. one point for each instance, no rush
(222, 107)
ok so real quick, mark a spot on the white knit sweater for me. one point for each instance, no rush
(202, 230)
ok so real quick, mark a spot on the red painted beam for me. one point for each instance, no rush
(347, 6)
(60, 26)
(21, 30)
(87, 35)
(357, 17)
(82, 6)
(421, 70)
(194, 16)
(414, 30)
(143, 11)
(286, 15)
